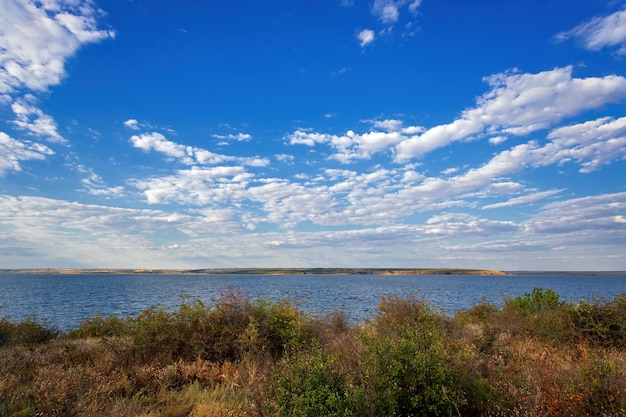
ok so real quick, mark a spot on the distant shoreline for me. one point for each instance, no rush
(302, 271)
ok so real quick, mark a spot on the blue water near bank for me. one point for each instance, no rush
(65, 300)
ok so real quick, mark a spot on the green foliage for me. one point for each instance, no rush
(602, 323)
(535, 302)
(233, 327)
(28, 332)
(101, 326)
(409, 371)
(310, 383)
(411, 376)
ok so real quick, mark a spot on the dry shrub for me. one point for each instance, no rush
(536, 357)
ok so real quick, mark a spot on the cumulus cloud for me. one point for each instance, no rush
(38, 37)
(13, 151)
(600, 32)
(519, 104)
(189, 155)
(198, 186)
(352, 145)
(591, 144)
(365, 37)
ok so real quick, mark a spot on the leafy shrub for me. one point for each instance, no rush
(28, 332)
(539, 313)
(410, 375)
(397, 313)
(536, 301)
(100, 326)
(310, 383)
(603, 323)
(234, 326)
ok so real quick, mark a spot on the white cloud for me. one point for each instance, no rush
(496, 140)
(37, 38)
(352, 145)
(388, 11)
(197, 186)
(13, 151)
(132, 124)
(591, 144)
(35, 121)
(189, 155)
(239, 137)
(94, 184)
(524, 200)
(519, 104)
(600, 32)
(461, 225)
(389, 125)
(598, 213)
(285, 158)
(64, 233)
(365, 37)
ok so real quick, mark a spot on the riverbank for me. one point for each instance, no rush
(535, 355)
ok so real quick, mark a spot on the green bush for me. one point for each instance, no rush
(100, 326)
(233, 326)
(602, 323)
(411, 375)
(310, 383)
(535, 302)
(28, 332)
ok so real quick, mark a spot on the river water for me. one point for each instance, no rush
(65, 300)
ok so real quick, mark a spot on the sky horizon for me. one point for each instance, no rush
(335, 133)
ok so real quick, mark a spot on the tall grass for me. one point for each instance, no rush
(536, 355)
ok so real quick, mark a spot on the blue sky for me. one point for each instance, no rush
(330, 133)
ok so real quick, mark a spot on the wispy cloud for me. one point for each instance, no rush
(388, 11)
(188, 155)
(13, 151)
(33, 120)
(524, 200)
(239, 137)
(600, 32)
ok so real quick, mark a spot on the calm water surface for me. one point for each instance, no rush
(65, 300)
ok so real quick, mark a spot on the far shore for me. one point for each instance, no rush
(303, 271)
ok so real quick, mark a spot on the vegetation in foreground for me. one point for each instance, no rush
(534, 356)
